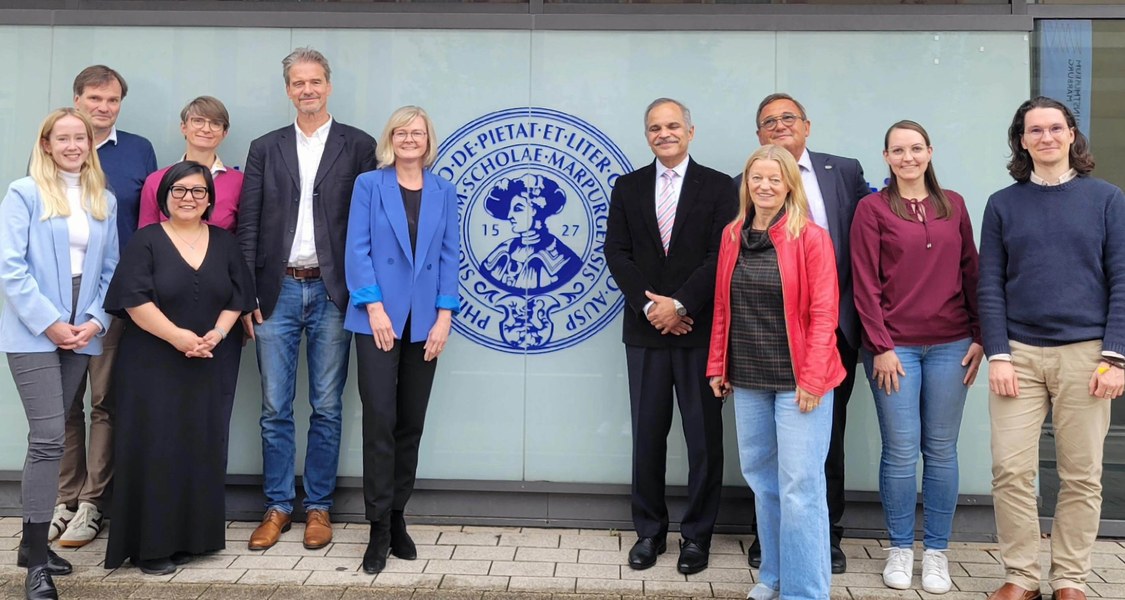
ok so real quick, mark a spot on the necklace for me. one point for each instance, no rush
(192, 243)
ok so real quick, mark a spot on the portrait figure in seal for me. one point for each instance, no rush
(535, 261)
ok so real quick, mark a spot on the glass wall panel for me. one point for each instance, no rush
(533, 386)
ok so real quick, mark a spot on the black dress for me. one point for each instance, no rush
(170, 425)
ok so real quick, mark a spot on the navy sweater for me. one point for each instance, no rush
(1052, 265)
(126, 164)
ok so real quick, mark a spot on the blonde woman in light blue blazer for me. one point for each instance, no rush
(58, 250)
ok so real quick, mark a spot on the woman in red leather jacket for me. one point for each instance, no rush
(773, 348)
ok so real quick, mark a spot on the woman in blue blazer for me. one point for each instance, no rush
(401, 265)
(58, 249)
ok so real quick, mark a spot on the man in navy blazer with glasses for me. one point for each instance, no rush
(834, 186)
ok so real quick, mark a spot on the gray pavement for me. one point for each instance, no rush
(499, 563)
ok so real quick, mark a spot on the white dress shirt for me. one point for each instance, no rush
(677, 187)
(310, 148)
(112, 137)
(817, 211)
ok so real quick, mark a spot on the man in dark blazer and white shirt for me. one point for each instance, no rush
(662, 245)
(834, 186)
(293, 218)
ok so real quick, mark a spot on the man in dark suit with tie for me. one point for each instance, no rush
(292, 221)
(833, 185)
(661, 245)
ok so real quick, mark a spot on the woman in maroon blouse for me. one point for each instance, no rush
(914, 265)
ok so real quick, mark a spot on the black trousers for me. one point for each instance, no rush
(834, 464)
(394, 389)
(653, 374)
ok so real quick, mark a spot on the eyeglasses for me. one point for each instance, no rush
(787, 119)
(417, 134)
(179, 191)
(1036, 133)
(201, 122)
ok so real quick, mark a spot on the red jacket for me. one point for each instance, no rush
(811, 295)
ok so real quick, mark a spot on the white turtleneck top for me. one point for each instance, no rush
(77, 224)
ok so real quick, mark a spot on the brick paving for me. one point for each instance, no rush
(499, 563)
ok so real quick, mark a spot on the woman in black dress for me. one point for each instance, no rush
(182, 284)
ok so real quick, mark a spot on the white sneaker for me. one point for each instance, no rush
(83, 528)
(900, 568)
(62, 516)
(935, 572)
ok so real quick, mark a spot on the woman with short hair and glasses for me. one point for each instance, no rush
(401, 264)
(914, 267)
(204, 123)
(182, 285)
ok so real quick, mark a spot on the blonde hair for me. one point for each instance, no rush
(45, 172)
(385, 151)
(796, 203)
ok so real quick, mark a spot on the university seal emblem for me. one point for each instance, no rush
(534, 186)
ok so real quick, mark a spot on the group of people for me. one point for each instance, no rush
(768, 288)
(151, 278)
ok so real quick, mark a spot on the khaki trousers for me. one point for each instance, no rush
(84, 476)
(1058, 379)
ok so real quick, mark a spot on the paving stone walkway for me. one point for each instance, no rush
(498, 563)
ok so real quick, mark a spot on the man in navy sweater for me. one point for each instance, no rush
(127, 160)
(1052, 311)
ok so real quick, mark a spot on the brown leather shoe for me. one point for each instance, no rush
(1011, 591)
(273, 525)
(1069, 593)
(318, 529)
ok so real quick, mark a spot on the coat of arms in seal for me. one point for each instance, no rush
(534, 187)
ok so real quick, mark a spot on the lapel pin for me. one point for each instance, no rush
(826, 167)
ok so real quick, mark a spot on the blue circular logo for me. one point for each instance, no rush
(533, 187)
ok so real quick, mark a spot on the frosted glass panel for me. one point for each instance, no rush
(513, 408)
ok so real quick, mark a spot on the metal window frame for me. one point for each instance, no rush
(533, 15)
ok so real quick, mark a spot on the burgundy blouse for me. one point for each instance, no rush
(915, 280)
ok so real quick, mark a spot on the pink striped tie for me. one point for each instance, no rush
(666, 207)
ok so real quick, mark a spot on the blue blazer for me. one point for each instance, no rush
(35, 271)
(378, 262)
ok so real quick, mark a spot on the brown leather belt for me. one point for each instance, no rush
(295, 273)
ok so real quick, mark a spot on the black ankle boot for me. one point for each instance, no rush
(401, 545)
(378, 545)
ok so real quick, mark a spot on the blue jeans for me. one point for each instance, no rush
(923, 417)
(782, 452)
(302, 306)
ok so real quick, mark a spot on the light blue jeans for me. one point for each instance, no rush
(302, 307)
(923, 417)
(782, 452)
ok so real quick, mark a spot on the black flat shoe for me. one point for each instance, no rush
(644, 552)
(38, 584)
(402, 546)
(378, 547)
(754, 554)
(839, 561)
(56, 565)
(693, 557)
(181, 558)
(156, 566)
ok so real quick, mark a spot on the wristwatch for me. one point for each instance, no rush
(680, 310)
